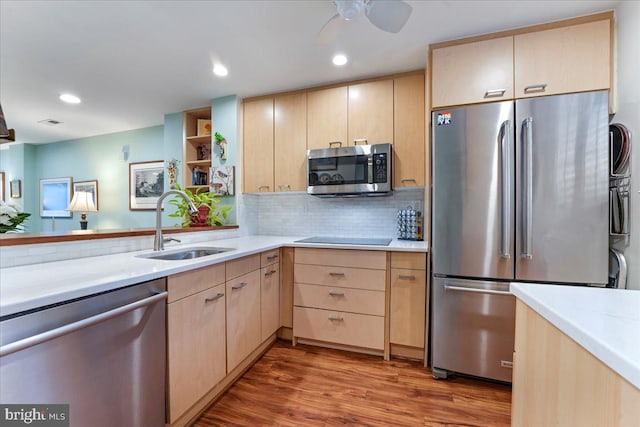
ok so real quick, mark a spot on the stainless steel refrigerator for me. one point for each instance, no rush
(520, 193)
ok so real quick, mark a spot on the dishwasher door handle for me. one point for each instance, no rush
(475, 290)
(80, 324)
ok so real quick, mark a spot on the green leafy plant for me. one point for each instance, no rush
(218, 137)
(217, 214)
(11, 217)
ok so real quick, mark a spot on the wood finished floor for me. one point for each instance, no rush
(312, 386)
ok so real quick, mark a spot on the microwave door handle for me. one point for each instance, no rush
(370, 169)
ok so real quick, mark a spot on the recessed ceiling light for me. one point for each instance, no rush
(339, 60)
(71, 99)
(220, 70)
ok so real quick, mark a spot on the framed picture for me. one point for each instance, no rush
(2, 185)
(146, 184)
(204, 127)
(55, 196)
(221, 180)
(15, 188)
(89, 187)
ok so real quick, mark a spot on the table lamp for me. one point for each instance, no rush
(82, 202)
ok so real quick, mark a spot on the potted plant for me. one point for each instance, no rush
(11, 218)
(209, 213)
(222, 143)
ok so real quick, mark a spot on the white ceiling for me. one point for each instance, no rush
(131, 62)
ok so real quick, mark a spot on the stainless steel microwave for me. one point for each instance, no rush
(358, 170)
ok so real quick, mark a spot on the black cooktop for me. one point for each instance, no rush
(346, 241)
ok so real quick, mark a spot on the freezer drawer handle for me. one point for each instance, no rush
(76, 326)
(475, 290)
(506, 364)
(527, 191)
(494, 93)
(217, 297)
(505, 189)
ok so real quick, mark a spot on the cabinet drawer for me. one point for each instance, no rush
(344, 277)
(191, 282)
(410, 260)
(342, 257)
(269, 257)
(243, 265)
(359, 330)
(341, 299)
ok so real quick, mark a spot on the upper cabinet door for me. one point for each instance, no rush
(408, 143)
(258, 145)
(290, 142)
(326, 117)
(371, 113)
(472, 73)
(563, 60)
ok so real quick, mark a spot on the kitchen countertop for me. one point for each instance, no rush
(606, 322)
(33, 286)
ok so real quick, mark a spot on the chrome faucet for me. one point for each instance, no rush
(158, 241)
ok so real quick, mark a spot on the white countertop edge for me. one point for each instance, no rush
(625, 366)
(136, 270)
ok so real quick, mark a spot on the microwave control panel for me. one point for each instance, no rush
(380, 167)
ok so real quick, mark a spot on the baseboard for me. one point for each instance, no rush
(285, 333)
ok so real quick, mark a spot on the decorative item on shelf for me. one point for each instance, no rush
(146, 184)
(204, 127)
(55, 196)
(198, 177)
(172, 171)
(15, 188)
(209, 213)
(222, 143)
(11, 217)
(221, 181)
(409, 224)
(82, 202)
(203, 152)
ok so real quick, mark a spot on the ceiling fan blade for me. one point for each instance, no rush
(330, 30)
(388, 15)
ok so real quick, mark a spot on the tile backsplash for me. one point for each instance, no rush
(299, 214)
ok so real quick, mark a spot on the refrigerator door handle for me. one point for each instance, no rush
(505, 189)
(527, 190)
(448, 287)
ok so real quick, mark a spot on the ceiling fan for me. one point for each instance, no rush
(387, 15)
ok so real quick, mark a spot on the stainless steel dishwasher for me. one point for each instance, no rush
(104, 355)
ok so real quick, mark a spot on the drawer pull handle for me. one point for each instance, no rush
(336, 294)
(407, 277)
(270, 257)
(284, 186)
(266, 187)
(336, 318)
(334, 274)
(408, 180)
(269, 273)
(239, 286)
(495, 93)
(335, 142)
(506, 364)
(535, 88)
(360, 140)
(217, 297)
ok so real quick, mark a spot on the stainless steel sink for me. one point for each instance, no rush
(184, 254)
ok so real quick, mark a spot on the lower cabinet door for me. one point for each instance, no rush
(360, 330)
(243, 317)
(195, 347)
(408, 307)
(269, 300)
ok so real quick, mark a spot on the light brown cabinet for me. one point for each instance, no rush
(196, 346)
(409, 131)
(243, 315)
(286, 287)
(290, 158)
(563, 60)
(570, 57)
(556, 382)
(473, 72)
(196, 149)
(269, 294)
(327, 117)
(370, 113)
(408, 299)
(339, 297)
(258, 145)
